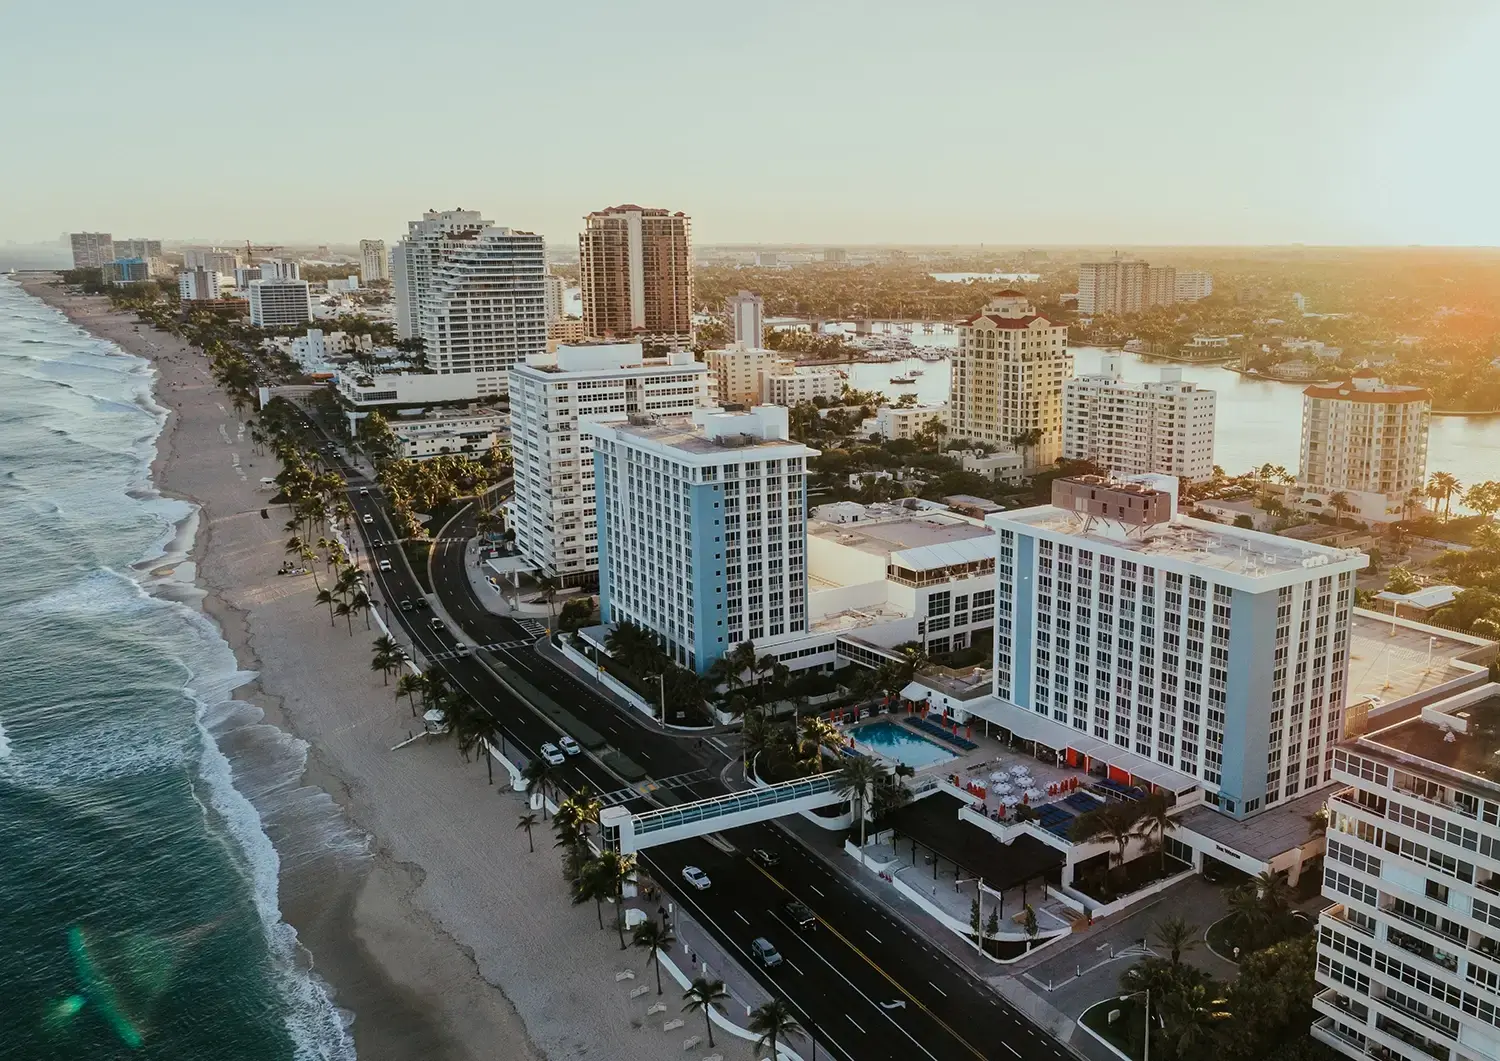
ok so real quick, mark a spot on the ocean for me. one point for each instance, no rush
(139, 906)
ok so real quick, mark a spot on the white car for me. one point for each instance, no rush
(569, 745)
(385, 565)
(696, 877)
(552, 755)
(367, 518)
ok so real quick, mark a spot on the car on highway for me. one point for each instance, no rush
(569, 745)
(436, 623)
(800, 916)
(423, 602)
(367, 518)
(385, 565)
(766, 858)
(552, 755)
(460, 649)
(364, 491)
(406, 605)
(765, 952)
(696, 877)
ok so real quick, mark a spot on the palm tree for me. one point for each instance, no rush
(1177, 936)
(1443, 485)
(1340, 502)
(702, 996)
(616, 869)
(324, 597)
(857, 778)
(655, 937)
(772, 1021)
(590, 882)
(1156, 821)
(389, 655)
(344, 611)
(578, 811)
(409, 685)
(539, 774)
(527, 821)
(478, 732)
(548, 585)
(361, 602)
(1110, 824)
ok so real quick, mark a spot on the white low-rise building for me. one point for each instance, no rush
(785, 384)
(904, 421)
(1004, 466)
(362, 391)
(472, 432)
(927, 572)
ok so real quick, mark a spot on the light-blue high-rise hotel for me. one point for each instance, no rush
(1168, 649)
(702, 529)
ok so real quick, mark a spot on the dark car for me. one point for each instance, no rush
(800, 916)
(765, 858)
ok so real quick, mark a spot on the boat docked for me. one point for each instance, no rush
(905, 381)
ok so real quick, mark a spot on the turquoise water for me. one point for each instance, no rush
(138, 886)
(895, 741)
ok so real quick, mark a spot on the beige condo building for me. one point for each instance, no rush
(636, 276)
(1007, 383)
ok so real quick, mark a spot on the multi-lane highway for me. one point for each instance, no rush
(868, 985)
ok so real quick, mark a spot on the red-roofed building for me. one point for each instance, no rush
(1367, 440)
(1007, 382)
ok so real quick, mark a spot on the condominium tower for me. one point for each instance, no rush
(1124, 286)
(199, 285)
(1219, 653)
(702, 529)
(552, 398)
(1007, 381)
(1366, 440)
(636, 269)
(279, 302)
(747, 318)
(374, 262)
(145, 249)
(735, 373)
(1135, 428)
(1193, 285)
(1409, 954)
(474, 293)
(92, 250)
(554, 295)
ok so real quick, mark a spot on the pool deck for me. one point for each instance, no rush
(953, 754)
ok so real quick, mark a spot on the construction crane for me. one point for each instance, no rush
(250, 251)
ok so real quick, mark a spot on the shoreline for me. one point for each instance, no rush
(448, 940)
(365, 898)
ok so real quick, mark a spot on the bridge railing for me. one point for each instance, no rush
(719, 806)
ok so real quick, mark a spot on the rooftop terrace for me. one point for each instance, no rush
(908, 530)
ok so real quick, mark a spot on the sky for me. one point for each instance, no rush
(1090, 122)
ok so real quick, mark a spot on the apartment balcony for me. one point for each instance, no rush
(1420, 948)
(1444, 1025)
(1339, 918)
(1389, 1038)
(1328, 1030)
(1434, 930)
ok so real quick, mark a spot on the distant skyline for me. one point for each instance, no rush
(1097, 124)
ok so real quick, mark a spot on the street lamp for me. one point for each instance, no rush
(1126, 998)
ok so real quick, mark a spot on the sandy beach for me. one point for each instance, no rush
(442, 936)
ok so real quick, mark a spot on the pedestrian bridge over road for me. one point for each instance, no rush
(635, 832)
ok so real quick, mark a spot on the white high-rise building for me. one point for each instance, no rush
(1409, 954)
(280, 269)
(474, 293)
(737, 372)
(1007, 381)
(1219, 653)
(1193, 284)
(555, 295)
(552, 397)
(668, 489)
(1135, 428)
(199, 285)
(277, 303)
(747, 318)
(1367, 440)
(220, 261)
(92, 250)
(374, 262)
(414, 258)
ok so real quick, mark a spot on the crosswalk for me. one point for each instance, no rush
(495, 646)
(534, 627)
(645, 788)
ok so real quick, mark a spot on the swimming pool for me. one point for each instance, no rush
(895, 741)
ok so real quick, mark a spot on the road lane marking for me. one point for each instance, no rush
(1012, 1049)
(814, 889)
(936, 988)
(793, 964)
(855, 1023)
(741, 916)
(872, 935)
(889, 978)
